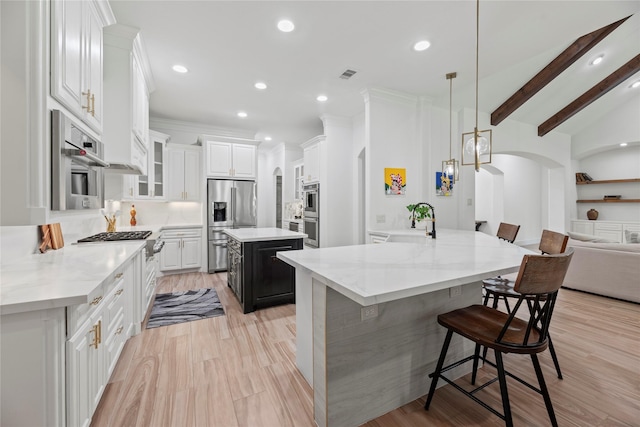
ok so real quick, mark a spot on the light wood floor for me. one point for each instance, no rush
(239, 370)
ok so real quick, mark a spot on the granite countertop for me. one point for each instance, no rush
(62, 277)
(262, 234)
(376, 273)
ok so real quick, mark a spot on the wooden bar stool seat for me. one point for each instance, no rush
(537, 285)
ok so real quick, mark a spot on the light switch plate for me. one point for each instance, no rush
(381, 219)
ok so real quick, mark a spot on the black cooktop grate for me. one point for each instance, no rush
(116, 236)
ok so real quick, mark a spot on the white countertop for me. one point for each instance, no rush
(262, 234)
(376, 273)
(62, 277)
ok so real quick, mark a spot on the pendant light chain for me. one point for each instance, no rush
(450, 115)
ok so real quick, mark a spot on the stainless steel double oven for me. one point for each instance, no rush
(312, 214)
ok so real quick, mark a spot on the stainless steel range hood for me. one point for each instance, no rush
(123, 169)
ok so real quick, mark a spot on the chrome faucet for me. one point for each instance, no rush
(433, 218)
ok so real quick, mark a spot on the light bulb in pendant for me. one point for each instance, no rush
(482, 147)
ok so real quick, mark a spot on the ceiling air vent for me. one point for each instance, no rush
(347, 74)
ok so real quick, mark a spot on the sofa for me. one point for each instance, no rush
(609, 269)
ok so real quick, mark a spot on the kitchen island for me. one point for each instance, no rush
(366, 316)
(256, 276)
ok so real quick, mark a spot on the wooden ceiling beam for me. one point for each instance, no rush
(563, 61)
(608, 83)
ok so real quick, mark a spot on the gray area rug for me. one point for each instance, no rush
(185, 306)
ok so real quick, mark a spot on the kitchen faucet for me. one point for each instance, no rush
(433, 218)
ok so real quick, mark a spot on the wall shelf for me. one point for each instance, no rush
(609, 201)
(608, 181)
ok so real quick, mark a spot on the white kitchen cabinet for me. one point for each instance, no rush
(610, 230)
(151, 186)
(126, 102)
(231, 160)
(77, 58)
(312, 152)
(85, 371)
(183, 172)
(182, 249)
(298, 180)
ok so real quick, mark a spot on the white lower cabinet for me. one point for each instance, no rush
(182, 249)
(610, 230)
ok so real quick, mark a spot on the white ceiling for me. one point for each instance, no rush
(229, 45)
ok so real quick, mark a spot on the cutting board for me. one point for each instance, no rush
(51, 237)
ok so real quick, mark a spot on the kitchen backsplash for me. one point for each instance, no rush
(159, 213)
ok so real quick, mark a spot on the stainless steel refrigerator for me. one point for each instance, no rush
(230, 204)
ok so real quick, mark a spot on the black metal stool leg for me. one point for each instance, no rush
(476, 357)
(503, 390)
(554, 357)
(436, 373)
(543, 389)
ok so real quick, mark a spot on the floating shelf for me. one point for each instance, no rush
(609, 201)
(608, 181)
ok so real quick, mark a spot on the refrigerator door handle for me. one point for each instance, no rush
(233, 204)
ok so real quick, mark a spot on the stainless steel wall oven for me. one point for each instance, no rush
(77, 166)
(311, 200)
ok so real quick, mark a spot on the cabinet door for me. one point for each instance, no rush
(66, 54)
(271, 277)
(140, 103)
(191, 252)
(582, 227)
(158, 167)
(93, 67)
(85, 372)
(244, 161)
(170, 256)
(312, 163)
(176, 174)
(219, 155)
(191, 176)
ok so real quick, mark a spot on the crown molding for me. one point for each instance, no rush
(200, 128)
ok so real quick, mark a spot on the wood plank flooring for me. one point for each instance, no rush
(239, 370)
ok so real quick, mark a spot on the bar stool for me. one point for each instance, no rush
(498, 288)
(538, 281)
(508, 232)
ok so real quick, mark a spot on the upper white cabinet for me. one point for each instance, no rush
(151, 186)
(77, 58)
(183, 172)
(231, 160)
(312, 159)
(126, 101)
(298, 179)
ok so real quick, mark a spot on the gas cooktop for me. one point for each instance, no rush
(116, 236)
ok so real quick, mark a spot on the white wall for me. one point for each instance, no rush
(391, 141)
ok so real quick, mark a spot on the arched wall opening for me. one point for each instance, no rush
(524, 189)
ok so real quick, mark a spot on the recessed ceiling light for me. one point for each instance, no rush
(242, 114)
(635, 84)
(180, 69)
(624, 144)
(322, 98)
(421, 45)
(596, 60)
(260, 85)
(267, 138)
(286, 26)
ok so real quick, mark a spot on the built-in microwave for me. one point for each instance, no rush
(311, 200)
(77, 166)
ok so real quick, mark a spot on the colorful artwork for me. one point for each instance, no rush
(395, 181)
(444, 184)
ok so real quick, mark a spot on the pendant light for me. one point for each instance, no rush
(451, 167)
(476, 145)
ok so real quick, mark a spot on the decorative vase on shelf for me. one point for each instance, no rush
(592, 214)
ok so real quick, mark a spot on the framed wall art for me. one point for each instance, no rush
(395, 181)
(444, 184)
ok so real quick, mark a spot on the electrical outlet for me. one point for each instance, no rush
(381, 219)
(455, 291)
(369, 312)
(469, 202)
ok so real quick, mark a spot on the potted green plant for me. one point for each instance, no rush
(419, 212)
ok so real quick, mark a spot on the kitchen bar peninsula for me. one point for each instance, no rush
(366, 327)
